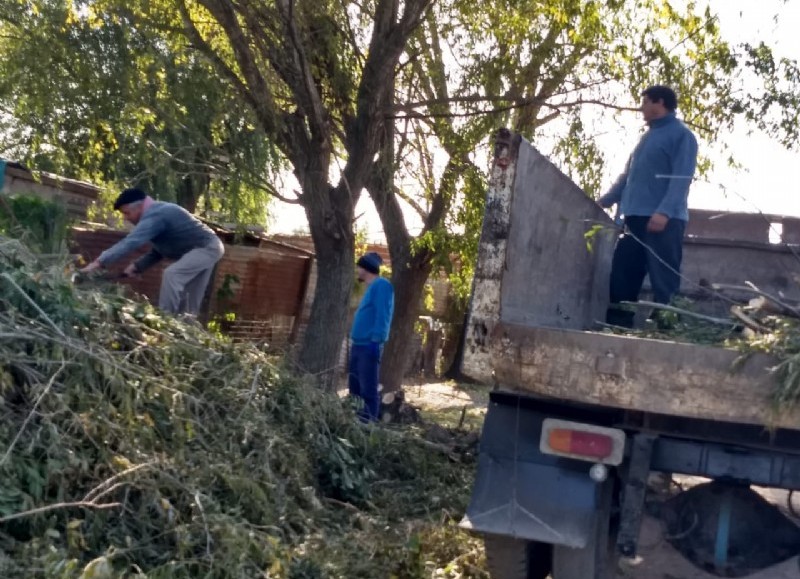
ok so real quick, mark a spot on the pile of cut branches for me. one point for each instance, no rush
(137, 445)
(766, 323)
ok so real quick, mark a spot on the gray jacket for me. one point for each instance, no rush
(171, 230)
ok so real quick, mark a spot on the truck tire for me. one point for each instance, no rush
(586, 563)
(510, 558)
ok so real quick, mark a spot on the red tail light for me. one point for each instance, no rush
(587, 444)
(582, 441)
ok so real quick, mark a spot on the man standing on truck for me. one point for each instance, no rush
(175, 234)
(369, 333)
(652, 197)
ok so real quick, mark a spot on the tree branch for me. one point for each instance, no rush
(257, 92)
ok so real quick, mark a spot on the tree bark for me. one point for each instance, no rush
(327, 325)
(408, 278)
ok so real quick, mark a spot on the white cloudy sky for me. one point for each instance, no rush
(770, 179)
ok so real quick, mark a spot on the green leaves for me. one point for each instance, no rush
(95, 91)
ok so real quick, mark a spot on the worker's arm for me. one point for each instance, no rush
(383, 298)
(144, 232)
(149, 259)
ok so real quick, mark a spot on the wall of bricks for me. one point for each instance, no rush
(264, 287)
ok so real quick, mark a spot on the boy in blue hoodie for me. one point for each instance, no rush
(652, 196)
(369, 333)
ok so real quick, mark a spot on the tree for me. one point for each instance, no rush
(320, 88)
(88, 94)
(529, 65)
(312, 80)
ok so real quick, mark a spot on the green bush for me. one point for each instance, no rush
(40, 223)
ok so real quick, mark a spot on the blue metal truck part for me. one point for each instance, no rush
(523, 493)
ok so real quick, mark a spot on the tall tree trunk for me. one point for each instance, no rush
(409, 275)
(334, 245)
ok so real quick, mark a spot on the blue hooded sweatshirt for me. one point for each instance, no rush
(659, 172)
(374, 314)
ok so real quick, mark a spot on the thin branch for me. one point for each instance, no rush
(313, 97)
(226, 71)
(31, 413)
(34, 304)
(501, 110)
(205, 524)
(750, 287)
(103, 488)
(57, 506)
(646, 304)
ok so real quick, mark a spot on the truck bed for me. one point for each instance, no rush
(632, 373)
(540, 281)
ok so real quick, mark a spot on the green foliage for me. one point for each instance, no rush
(93, 93)
(41, 223)
(782, 340)
(154, 449)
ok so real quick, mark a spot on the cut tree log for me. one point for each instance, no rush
(788, 309)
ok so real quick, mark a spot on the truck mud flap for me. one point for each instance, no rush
(523, 493)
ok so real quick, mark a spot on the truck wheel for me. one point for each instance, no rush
(510, 558)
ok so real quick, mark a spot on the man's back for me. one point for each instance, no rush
(176, 231)
(660, 171)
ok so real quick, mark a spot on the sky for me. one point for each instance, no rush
(769, 178)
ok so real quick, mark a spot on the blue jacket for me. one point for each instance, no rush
(374, 314)
(659, 172)
(171, 229)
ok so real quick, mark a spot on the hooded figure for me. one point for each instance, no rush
(369, 332)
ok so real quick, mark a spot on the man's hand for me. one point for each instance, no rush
(91, 267)
(130, 271)
(657, 223)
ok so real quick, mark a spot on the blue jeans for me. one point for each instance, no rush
(363, 380)
(639, 253)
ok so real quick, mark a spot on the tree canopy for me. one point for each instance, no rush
(88, 93)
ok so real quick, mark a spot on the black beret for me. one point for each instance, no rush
(129, 196)
(371, 262)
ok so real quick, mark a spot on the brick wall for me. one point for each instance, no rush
(267, 294)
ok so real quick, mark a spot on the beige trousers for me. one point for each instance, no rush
(184, 283)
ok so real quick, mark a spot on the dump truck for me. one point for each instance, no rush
(579, 419)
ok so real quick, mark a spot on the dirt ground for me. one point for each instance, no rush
(454, 405)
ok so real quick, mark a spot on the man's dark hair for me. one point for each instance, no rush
(662, 93)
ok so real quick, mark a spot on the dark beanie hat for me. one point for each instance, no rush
(371, 262)
(129, 196)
